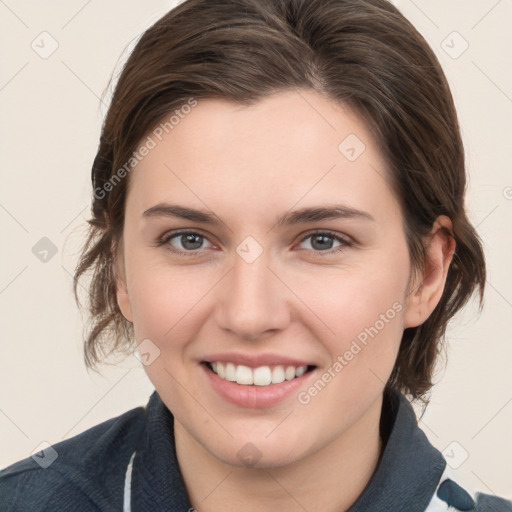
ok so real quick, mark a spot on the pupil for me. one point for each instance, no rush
(195, 240)
(324, 240)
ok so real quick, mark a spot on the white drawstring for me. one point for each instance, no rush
(127, 506)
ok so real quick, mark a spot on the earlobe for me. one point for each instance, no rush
(429, 284)
(414, 314)
(123, 299)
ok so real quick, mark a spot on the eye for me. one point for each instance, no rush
(189, 242)
(323, 242)
(184, 242)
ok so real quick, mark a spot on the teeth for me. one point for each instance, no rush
(261, 376)
(278, 375)
(243, 375)
(301, 370)
(289, 374)
(230, 371)
(220, 370)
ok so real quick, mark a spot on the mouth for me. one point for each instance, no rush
(260, 376)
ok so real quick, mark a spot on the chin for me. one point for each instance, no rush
(258, 453)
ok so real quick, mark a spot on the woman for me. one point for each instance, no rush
(278, 226)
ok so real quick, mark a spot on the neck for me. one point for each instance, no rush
(328, 480)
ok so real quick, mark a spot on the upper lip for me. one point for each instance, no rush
(256, 360)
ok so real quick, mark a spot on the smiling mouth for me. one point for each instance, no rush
(260, 376)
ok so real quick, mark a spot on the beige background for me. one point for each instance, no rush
(51, 115)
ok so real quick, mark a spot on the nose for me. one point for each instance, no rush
(253, 302)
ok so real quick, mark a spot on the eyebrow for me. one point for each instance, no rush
(302, 216)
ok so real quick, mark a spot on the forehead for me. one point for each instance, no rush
(291, 147)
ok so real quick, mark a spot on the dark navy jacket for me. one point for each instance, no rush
(92, 471)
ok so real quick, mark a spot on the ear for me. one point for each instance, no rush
(123, 299)
(428, 285)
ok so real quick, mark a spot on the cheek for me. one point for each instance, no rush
(365, 311)
(168, 309)
(165, 300)
(362, 312)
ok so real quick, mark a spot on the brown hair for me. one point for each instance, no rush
(362, 53)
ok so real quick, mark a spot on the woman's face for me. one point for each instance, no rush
(295, 257)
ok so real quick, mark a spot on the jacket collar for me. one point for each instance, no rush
(410, 467)
(405, 479)
(157, 485)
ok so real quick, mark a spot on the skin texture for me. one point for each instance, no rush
(248, 166)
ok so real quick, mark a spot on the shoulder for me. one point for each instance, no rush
(489, 503)
(453, 495)
(447, 491)
(65, 476)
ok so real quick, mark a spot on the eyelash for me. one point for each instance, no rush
(166, 238)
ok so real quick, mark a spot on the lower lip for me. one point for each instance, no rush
(254, 396)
